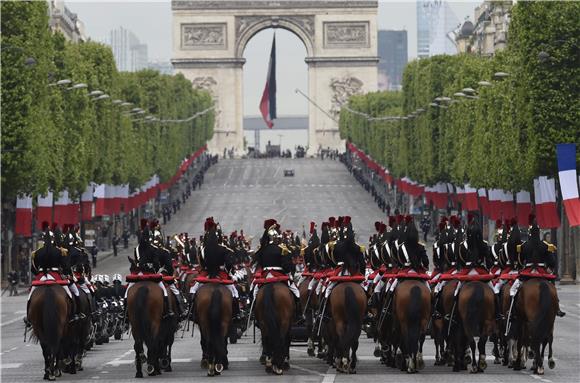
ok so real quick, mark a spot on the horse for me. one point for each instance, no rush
(213, 312)
(274, 313)
(348, 305)
(145, 311)
(536, 306)
(476, 317)
(309, 303)
(411, 312)
(49, 310)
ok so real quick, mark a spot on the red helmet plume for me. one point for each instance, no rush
(513, 222)
(377, 226)
(268, 223)
(441, 226)
(153, 224)
(340, 221)
(144, 223)
(209, 224)
(332, 221)
(531, 219)
(392, 221)
(54, 226)
(470, 218)
(408, 218)
(383, 228)
(45, 225)
(498, 223)
(312, 227)
(400, 218)
(346, 220)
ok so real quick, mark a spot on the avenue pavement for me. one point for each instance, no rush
(241, 194)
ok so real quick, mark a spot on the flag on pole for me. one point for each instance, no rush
(44, 210)
(523, 206)
(268, 102)
(566, 154)
(23, 216)
(545, 195)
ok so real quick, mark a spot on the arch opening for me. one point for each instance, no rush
(291, 128)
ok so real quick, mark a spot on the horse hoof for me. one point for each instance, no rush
(540, 371)
(168, 368)
(262, 359)
(310, 352)
(219, 368)
(277, 370)
(551, 364)
(150, 369)
(420, 364)
(496, 361)
(268, 361)
(377, 352)
(143, 358)
(164, 362)
(352, 370)
(204, 364)
(482, 364)
(58, 373)
(268, 369)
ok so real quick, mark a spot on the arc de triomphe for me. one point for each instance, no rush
(209, 37)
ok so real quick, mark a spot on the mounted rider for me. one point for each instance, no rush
(216, 263)
(49, 263)
(537, 258)
(149, 260)
(273, 259)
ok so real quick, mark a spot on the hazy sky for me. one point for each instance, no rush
(151, 23)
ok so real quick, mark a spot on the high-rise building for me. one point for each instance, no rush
(435, 23)
(392, 46)
(130, 54)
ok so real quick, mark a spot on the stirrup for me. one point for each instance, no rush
(437, 315)
(169, 314)
(27, 323)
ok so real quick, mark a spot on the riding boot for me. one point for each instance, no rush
(167, 312)
(181, 306)
(498, 314)
(74, 315)
(236, 309)
(78, 313)
(436, 313)
(26, 321)
(297, 308)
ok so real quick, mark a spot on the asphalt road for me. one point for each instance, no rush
(241, 194)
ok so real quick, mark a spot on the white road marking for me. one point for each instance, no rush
(10, 365)
(119, 362)
(537, 377)
(306, 369)
(11, 321)
(329, 376)
(7, 351)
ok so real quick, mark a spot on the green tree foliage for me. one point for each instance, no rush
(506, 136)
(56, 138)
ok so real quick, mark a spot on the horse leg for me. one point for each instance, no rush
(482, 364)
(47, 362)
(420, 361)
(168, 368)
(551, 362)
(139, 354)
(539, 358)
(353, 358)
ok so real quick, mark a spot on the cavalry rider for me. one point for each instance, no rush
(147, 258)
(274, 260)
(166, 265)
(411, 254)
(216, 261)
(79, 263)
(538, 259)
(347, 255)
(48, 262)
(309, 253)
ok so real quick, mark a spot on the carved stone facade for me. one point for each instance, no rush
(346, 34)
(209, 37)
(342, 89)
(204, 36)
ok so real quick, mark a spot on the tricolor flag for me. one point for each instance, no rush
(43, 210)
(507, 206)
(483, 201)
(566, 154)
(495, 204)
(545, 195)
(23, 216)
(470, 198)
(268, 102)
(523, 206)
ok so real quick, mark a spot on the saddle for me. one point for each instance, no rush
(277, 276)
(222, 278)
(474, 274)
(508, 275)
(348, 278)
(410, 273)
(144, 277)
(52, 278)
(536, 272)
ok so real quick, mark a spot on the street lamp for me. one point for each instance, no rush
(116, 102)
(96, 93)
(484, 83)
(61, 82)
(501, 75)
(468, 90)
(459, 94)
(77, 86)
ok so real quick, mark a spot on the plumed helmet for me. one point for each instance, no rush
(312, 227)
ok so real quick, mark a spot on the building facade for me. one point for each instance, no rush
(130, 54)
(62, 20)
(490, 31)
(392, 48)
(436, 22)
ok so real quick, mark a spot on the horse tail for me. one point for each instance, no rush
(50, 320)
(353, 319)
(541, 324)
(143, 322)
(215, 321)
(414, 320)
(269, 312)
(473, 315)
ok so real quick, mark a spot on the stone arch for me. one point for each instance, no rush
(248, 26)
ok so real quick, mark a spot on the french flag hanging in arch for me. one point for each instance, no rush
(566, 154)
(268, 102)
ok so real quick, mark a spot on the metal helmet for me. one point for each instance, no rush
(117, 278)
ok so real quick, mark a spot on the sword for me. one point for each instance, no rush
(307, 302)
(250, 315)
(451, 318)
(509, 322)
(321, 317)
(188, 316)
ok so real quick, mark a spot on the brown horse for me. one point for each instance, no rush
(213, 313)
(449, 311)
(274, 313)
(145, 311)
(536, 306)
(348, 305)
(411, 312)
(476, 317)
(49, 310)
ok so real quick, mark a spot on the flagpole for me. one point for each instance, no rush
(315, 104)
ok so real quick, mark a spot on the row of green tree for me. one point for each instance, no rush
(56, 138)
(505, 136)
